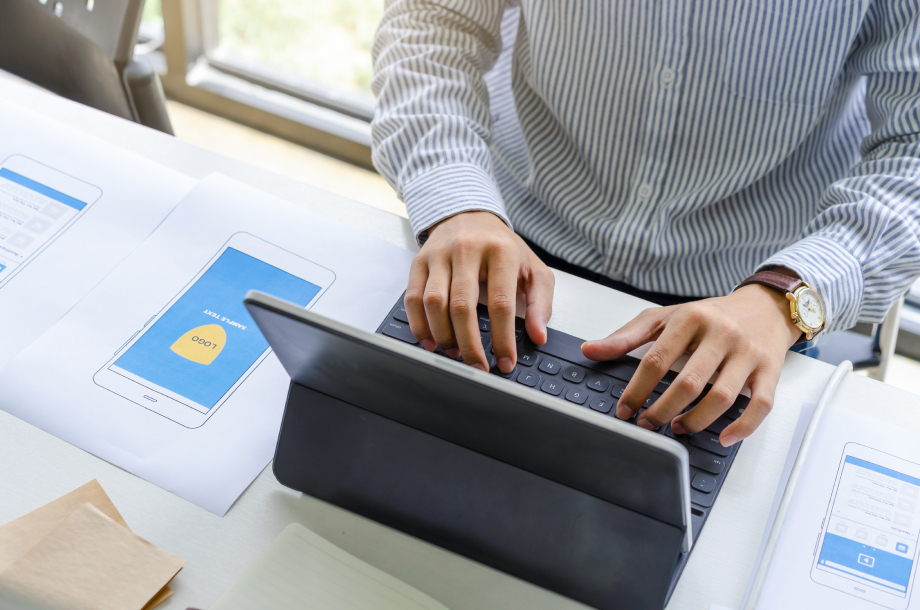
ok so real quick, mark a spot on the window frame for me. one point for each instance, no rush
(199, 74)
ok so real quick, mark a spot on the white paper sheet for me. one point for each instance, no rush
(303, 570)
(51, 384)
(789, 583)
(134, 196)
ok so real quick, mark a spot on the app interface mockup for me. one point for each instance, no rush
(872, 534)
(30, 214)
(204, 343)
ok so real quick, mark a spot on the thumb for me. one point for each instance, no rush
(637, 332)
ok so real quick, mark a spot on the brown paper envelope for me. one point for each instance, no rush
(19, 536)
(159, 598)
(89, 562)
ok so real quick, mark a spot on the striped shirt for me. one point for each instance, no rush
(674, 145)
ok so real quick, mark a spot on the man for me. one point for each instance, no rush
(669, 149)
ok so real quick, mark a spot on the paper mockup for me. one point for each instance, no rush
(71, 209)
(161, 371)
(850, 539)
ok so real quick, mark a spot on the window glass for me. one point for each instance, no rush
(153, 14)
(326, 41)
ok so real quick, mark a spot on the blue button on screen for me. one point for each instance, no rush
(902, 548)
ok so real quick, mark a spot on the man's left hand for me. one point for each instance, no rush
(744, 336)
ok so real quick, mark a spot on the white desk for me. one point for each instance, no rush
(36, 467)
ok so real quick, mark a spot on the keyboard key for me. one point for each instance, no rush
(709, 442)
(510, 375)
(573, 373)
(486, 343)
(651, 400)
(401, 314)
(399, 331)
(618, 388)
(706, 461)
(719, 425)
(484, 324)
(703, 483)
(550, 366)
(526, 356)
(552, 386)
(738, 408)
(578, 395)
(703, 499)
(601, 403)
(518, 334)
(528, 378)
(599, 384)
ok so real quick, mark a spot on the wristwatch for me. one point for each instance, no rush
(804, 302)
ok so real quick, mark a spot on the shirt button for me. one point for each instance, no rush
(667, 76)
(645, 191)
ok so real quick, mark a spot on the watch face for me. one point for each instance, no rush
(810, 309)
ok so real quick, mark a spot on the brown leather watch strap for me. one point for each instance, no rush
(773, 279)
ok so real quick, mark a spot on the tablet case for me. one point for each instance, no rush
(463, 492)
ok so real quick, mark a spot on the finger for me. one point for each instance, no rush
(503, 267)
(763, 388)
(538, 291)
(415, 305)
(717, 401)
(689, 384)
(645, 327)
(437, 304)
(674, 340)
(464, 296)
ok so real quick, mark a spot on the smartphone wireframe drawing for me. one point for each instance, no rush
(37, 204)
(190, 357)
(869, 538)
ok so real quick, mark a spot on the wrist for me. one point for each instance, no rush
(775, 307)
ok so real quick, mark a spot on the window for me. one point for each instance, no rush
(300, 69)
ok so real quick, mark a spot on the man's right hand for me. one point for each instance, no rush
(443, 290)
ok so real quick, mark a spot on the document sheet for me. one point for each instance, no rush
(161, 371)
(850, 540)
(71, 209)
(303, 570)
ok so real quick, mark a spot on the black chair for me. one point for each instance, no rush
(83, 50)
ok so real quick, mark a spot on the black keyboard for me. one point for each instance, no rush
(559, 369)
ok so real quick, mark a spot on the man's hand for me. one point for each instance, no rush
(443, 291)
(744, 335)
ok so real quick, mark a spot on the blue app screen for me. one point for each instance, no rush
(207, 340)
(874, 527)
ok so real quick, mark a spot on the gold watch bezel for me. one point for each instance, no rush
(810, 331)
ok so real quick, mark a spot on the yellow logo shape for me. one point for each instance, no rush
(202, 344)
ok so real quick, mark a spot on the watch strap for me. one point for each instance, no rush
(772, 279)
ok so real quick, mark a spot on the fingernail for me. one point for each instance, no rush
(677, 428)
(728, 440)
(644, 423)
(624, 412)
(480, 366)
(428, 344)
(505, 365)
(453, 352)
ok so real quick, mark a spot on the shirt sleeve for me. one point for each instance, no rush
(432, 125)
(862, 251)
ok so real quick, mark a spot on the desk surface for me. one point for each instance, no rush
(36, 467)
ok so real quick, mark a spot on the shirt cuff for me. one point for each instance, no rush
(832, 271)
(447, 191)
